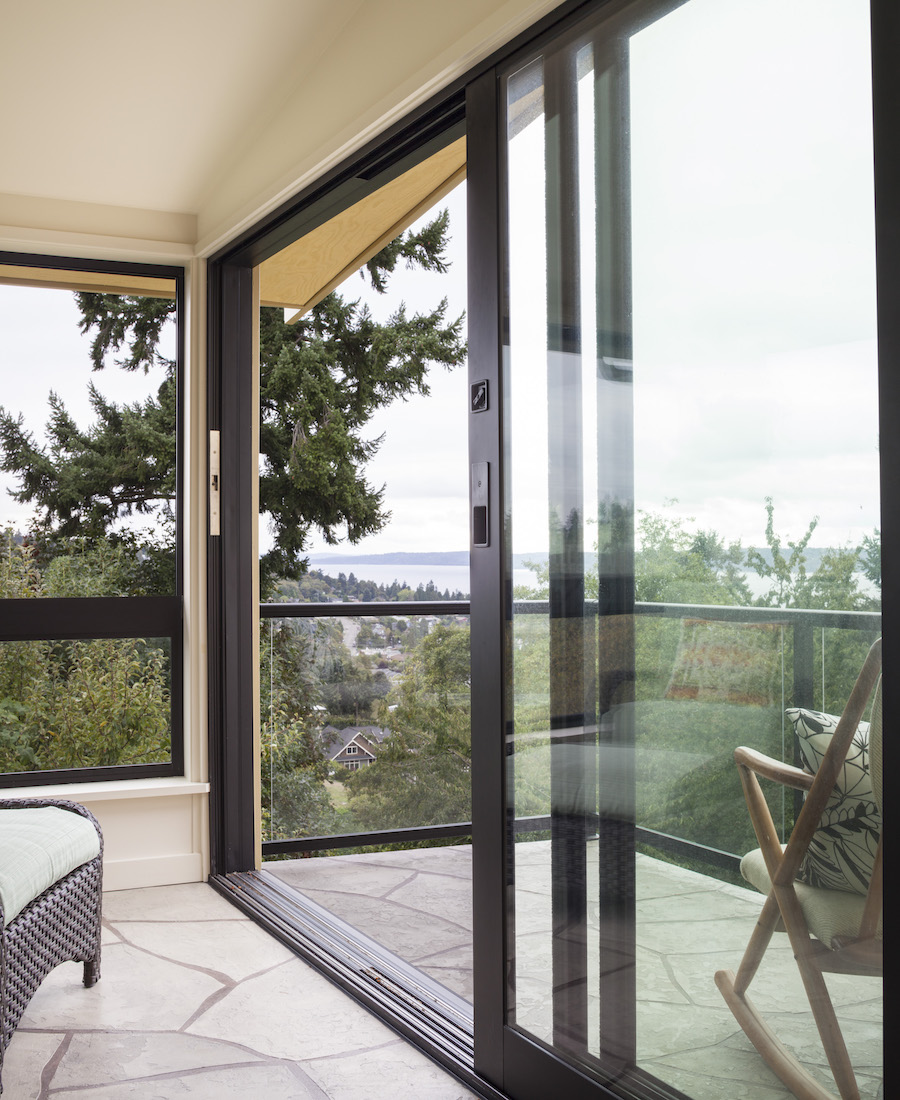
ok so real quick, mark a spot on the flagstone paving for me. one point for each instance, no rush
(197, 1001)
(418, 904)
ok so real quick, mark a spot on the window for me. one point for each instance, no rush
(90, 644)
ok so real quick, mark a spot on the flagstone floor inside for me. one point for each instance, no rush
(198, 1001)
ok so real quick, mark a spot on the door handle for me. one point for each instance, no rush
(480, 525)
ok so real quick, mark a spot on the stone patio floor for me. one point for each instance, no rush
(198, 1001)
(418, 904)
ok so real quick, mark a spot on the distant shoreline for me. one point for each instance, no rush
(446, 557)
(813, 555)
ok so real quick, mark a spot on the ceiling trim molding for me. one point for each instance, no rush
(452, 64)
(36, 223)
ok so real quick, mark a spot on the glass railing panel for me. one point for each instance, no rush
(705, 686)
(365, 724)
(702, 688)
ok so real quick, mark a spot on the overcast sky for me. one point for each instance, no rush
(423, 461)
(753, 277)
(41, 350)
(753, 282)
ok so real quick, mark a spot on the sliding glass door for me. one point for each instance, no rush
(685, 542)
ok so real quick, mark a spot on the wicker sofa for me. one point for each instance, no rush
(60, 924)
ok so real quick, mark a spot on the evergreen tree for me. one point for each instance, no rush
(321, 380)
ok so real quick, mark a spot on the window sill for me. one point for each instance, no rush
(112, 789)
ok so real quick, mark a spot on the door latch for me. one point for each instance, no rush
(214, 487)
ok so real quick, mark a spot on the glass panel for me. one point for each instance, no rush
(692, 476)
(386, 697)
(366, 727)
(84, 704)
(87, 439)
(364, 499)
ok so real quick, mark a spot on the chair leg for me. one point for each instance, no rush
(91, 972)
(759, 941)
(829, 1030)
(817, 994)
(776, 1056)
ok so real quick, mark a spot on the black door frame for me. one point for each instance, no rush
(229, 355)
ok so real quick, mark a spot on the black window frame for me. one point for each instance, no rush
(114, 617)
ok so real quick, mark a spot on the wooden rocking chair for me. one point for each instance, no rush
(831, 931)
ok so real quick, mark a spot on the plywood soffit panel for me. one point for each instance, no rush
(96, 282)
(302, 274)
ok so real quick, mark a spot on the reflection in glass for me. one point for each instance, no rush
(685, 330)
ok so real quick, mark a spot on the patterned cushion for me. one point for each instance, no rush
(842, 851)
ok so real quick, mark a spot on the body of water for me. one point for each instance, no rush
(456, 577)
(452, 577)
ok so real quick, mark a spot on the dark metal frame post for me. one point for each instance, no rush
(885, 16)
(232, 643)
(569, 785)
(615, 484)
(489, 584)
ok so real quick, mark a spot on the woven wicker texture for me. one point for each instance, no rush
(61, 925)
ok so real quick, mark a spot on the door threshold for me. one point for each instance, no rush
(435, 1019)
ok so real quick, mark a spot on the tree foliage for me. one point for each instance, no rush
(77, 704)
(321, 381)
(421, 775)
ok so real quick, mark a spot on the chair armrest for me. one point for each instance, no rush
(776, 770)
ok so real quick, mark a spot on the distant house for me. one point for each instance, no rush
(354, 747)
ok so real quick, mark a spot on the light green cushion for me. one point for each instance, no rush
(828, 913)
(39, 846)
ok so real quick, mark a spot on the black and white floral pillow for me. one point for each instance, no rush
(842, 851)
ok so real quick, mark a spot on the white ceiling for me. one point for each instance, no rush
(140, 105)
(162, 128)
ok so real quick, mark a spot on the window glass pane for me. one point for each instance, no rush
(692, 472)
(756, 478)
(84, 704)
(88, 507)
(88, 438)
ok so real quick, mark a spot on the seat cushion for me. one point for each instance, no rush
(39, 845)
(842, 851)
(828, 913)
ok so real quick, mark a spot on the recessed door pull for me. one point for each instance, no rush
(480, 525)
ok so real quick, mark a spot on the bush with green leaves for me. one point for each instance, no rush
(78, 704)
